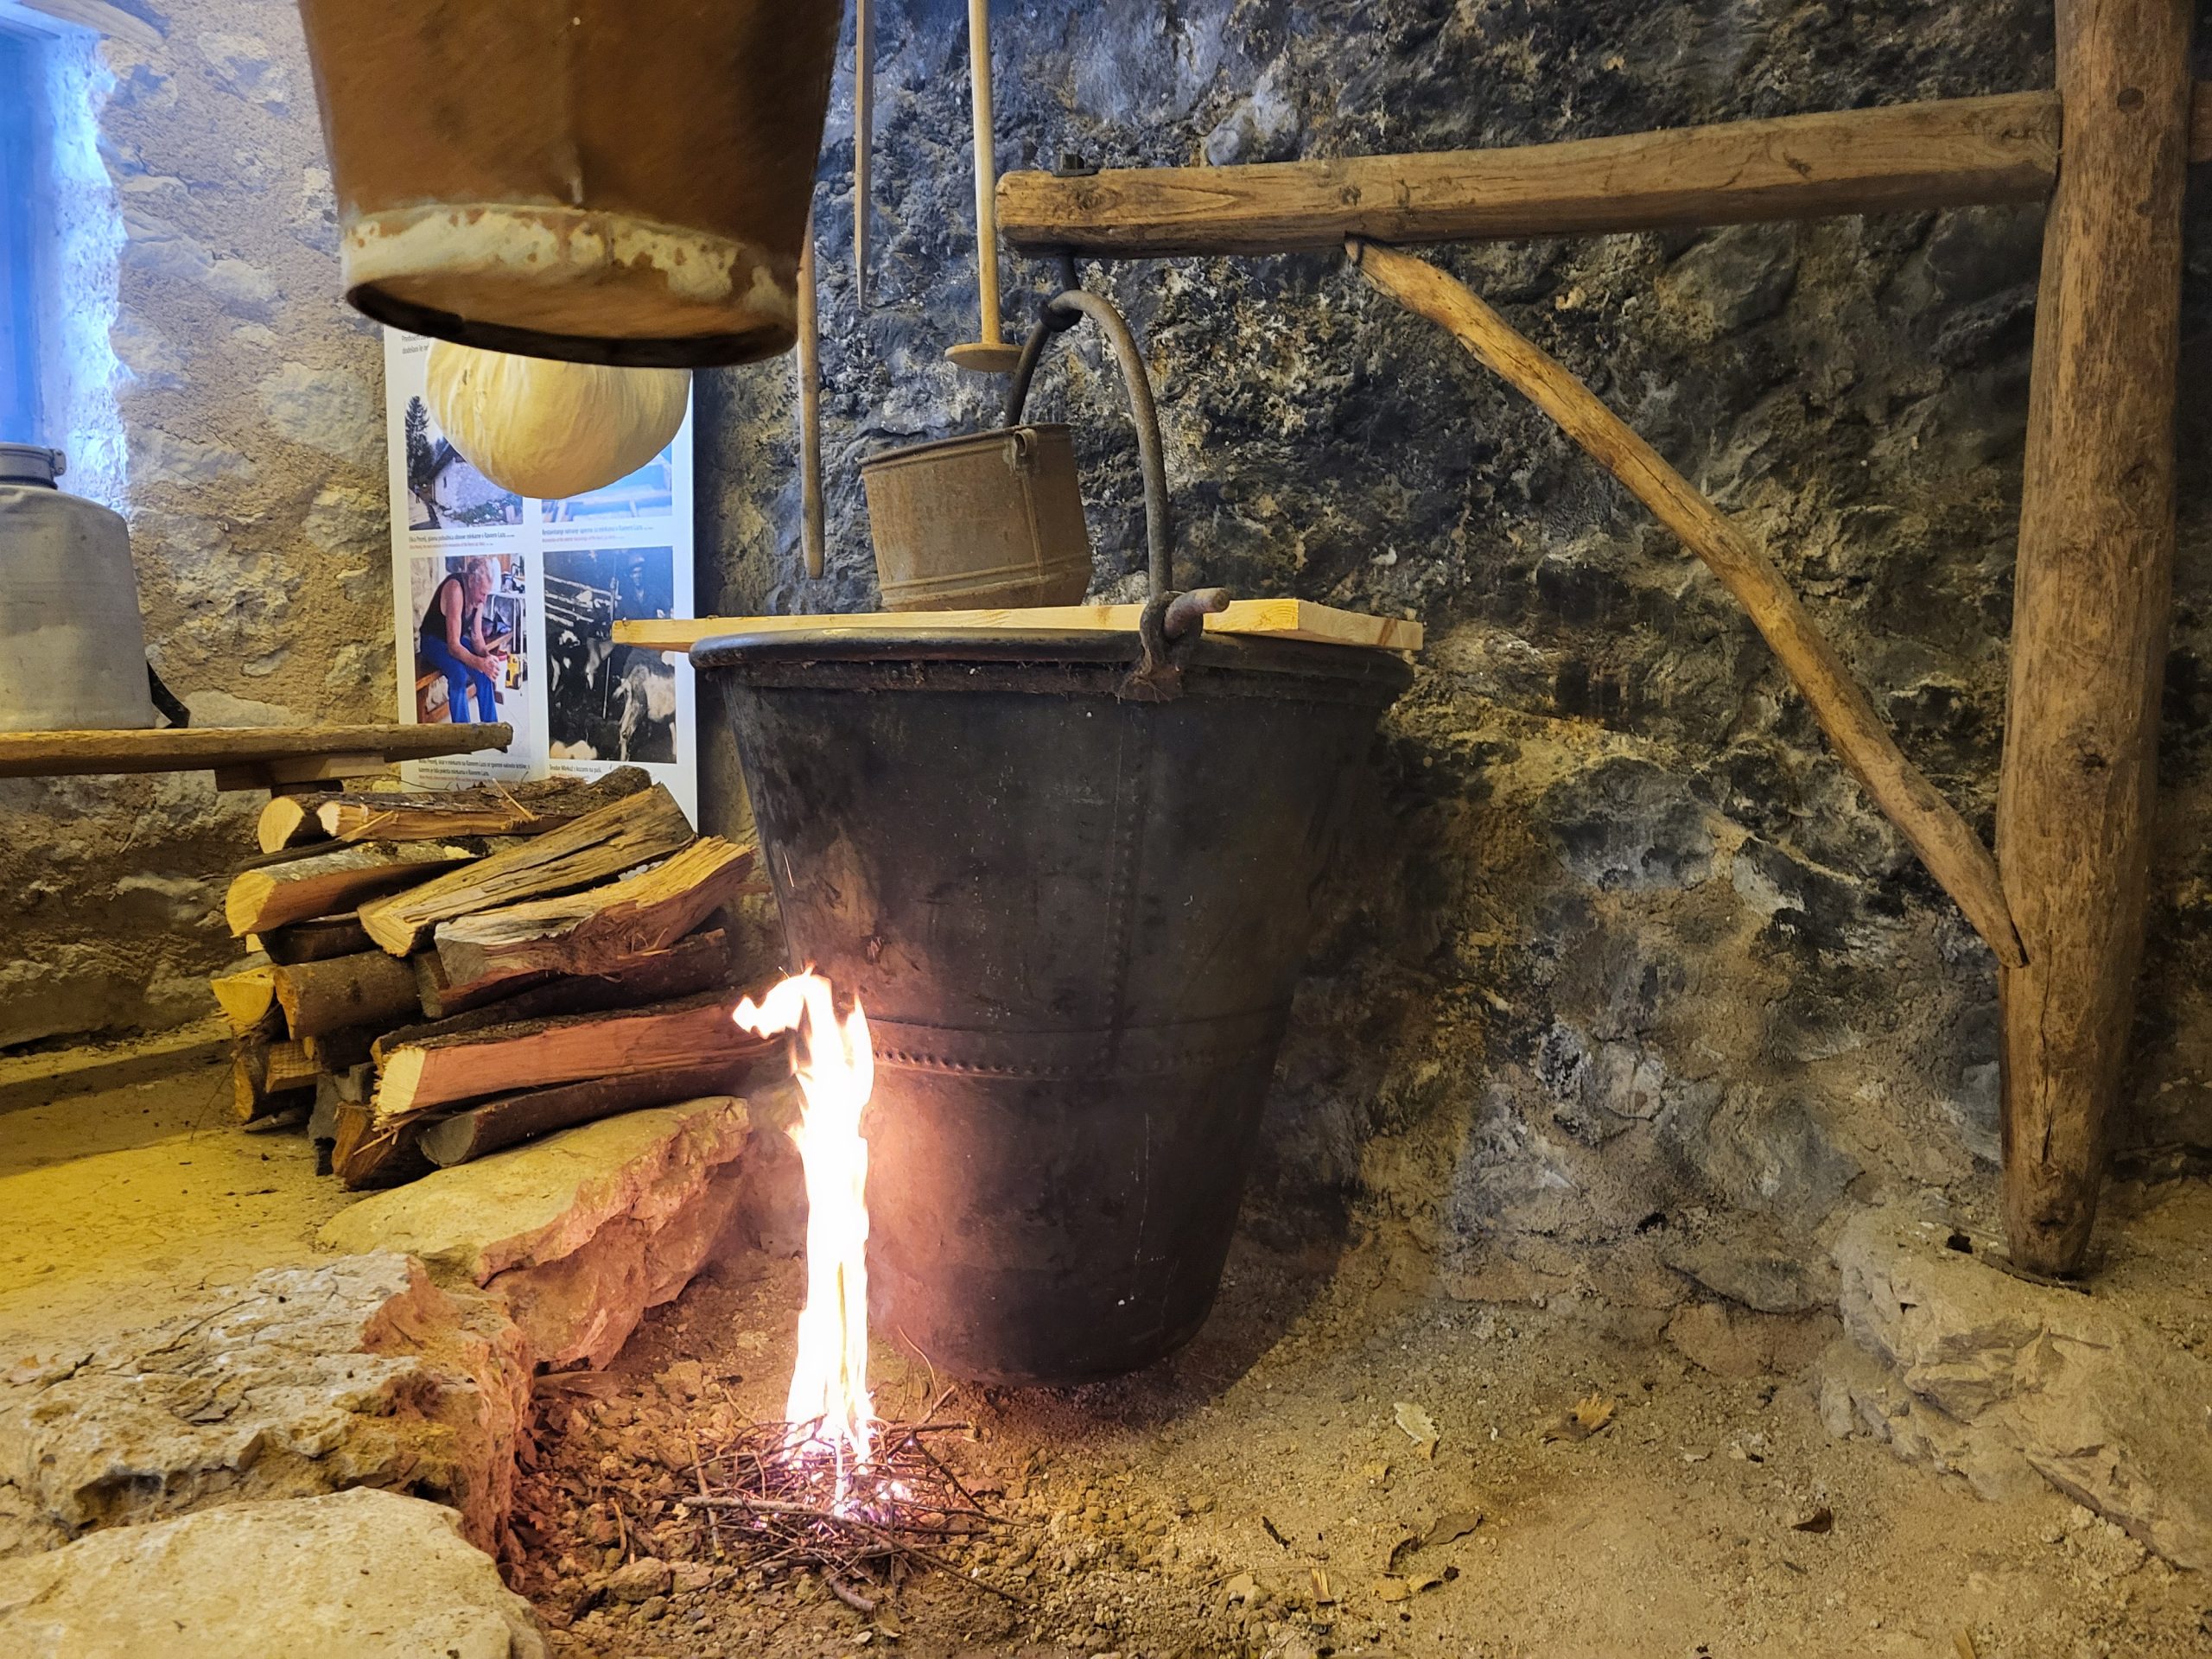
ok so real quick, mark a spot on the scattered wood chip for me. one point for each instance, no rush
(1269, 1528)
(1419, 1425)
(1377, 1473)
(1964, 1643)
(1820, 1518)
(1404, 1589)
(1450, 1527)
(1588, 1416)
(1322, 1593)
(1243, 1587)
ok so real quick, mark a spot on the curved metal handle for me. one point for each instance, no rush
(1061, 312)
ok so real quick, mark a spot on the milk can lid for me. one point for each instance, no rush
(31, 463)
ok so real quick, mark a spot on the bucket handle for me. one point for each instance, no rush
(1061, 312)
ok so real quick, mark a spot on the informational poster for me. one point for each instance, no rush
(504, 607)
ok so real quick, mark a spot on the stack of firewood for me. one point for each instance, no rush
(436, 975)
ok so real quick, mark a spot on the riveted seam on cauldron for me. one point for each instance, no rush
(1149, 1051)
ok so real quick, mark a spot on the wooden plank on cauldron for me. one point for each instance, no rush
(1267, 619)
(597, 847)
(364, 1153)
(509, 1120)
(603, 930)
(440, 1071)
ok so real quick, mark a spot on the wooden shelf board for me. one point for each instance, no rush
(226, 748)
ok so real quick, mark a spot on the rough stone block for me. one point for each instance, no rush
(360, 1372)
(581, 1231)
(1979, 1372)
(367, 1574)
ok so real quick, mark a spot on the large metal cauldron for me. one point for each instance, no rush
(1074, 920)
(1072, 876)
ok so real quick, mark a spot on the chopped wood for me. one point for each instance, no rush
(597, 930)
(369, 988)
(349, 1045)
(689, 966)
(268, 894)
(246, 995)
(367, 1154)
(317, 939)
(596, 848)
(509, 1120)
(261, 1072)
(1947, 844)
(537, 1053)
(527, 809)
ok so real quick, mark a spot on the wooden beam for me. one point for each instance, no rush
(1906, 157)
(1947, 844)
(2091, 599)
(1268, 619)
(194, 749)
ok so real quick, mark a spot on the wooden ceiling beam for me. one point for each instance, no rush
(1904, 158)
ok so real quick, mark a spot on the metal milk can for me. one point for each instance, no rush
(72, 647)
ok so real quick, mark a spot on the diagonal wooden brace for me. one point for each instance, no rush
(1947, 844)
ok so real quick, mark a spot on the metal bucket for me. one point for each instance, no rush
(983, 522)
(1074, 920)
(1071, 875)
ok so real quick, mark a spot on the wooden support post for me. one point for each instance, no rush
(2090, 608)
(1946, 842)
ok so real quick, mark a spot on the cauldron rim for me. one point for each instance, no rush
(1385, 671)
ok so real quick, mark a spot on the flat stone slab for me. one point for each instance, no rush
(298, 1381)
(1959, 1365)
(540, 1201)
(363, 1574)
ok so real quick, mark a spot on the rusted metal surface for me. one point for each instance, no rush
(990, 520)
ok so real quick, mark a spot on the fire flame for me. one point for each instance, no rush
(830, 1402)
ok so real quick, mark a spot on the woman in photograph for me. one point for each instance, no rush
(454, 643)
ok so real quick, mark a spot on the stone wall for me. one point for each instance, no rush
(1620, 944)
(251, 400)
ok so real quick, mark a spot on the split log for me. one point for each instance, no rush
(263, 1072)
(370, 989)
(1947, 844)
(336, 1051)
(246, 994)
(367, 1154)
(317, 939)
(596, 848)
(2091, 601)
(267, 895)
(351, 1087)
(525, 809)
(510, 1119)
(537, 1053)
(698, 963)
(597, 930)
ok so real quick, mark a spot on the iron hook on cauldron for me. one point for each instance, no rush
(1167, 615)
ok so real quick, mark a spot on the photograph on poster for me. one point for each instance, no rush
(444, 491)
(606, 702)
(471, 643)
(648, 492)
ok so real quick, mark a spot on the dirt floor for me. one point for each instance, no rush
(1257, 1495)
(115, 1203)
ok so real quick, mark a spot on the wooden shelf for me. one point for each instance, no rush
(241, 757)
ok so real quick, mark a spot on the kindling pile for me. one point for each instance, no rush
(436, 975)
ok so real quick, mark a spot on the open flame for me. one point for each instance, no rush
(829, 1404)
